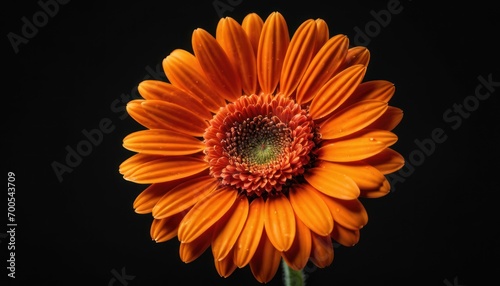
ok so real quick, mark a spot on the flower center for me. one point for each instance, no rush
(259, 143)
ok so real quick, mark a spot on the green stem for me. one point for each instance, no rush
(292, 277)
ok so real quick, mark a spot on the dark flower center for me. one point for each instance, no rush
(259, 143)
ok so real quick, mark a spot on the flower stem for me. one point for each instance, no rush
(292, 277)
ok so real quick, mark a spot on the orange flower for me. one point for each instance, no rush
(261, 145)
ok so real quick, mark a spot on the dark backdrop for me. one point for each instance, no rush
(71, 69)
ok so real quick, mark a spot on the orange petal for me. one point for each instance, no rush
(252, 24)
(166, 169)
(356, 56)
(159, 90)
(135, 162)
(225, 267)
(147, 199)
(378, 192)
(298, 255)
(332, 183)
(322, 66)
(183, 70)
(279, 221)
(249, 238)
(389, 120)
(352, 118)
(175, 117)
(216, 65)
(365, 144)
(298, 56)
(166, 228)
(341, 85)
(380, 90)
(162, 142)
(323, 34)
(346, 237)
(139, 114)
(226, 233)
(321, 250)
(233, 39)
(188, 252)
(184, 196)
(387, 161)
(311, 209)
(363, 174)
(349, 213)
(271, 51)
(265, 261)
(206, 213)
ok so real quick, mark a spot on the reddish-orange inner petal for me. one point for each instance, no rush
(184, 196)
(216, 65)
(279, 221)
(311, 209)
(358, 147)
(206, 213)
(227, 232)
(343, 84)
(273, 44)
(247, 242)
(162, 142)
(352, 119)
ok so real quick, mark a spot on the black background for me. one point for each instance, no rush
(438, 227)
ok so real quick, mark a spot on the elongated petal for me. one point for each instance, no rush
(342, 85)
(349, 213)
(298, 255)
(162, 142)
(249, 239)
(166, 169)
(298, 56)
(190, 251)
(365, 175)
(233, 39)
(227, 233)
(159, 90)
(323, 34)
(355, 56)
(352, 118)
(322, 250)
(166, 228)
(184, 196)
(183, 70)
(332, 183)
(225, 267)
(345, 236)
(175, 117)
(265, 261)
(362, 146)
(252, 24)
(377, 192)
(206, 213)
(139, 114)
(216, 65)
(381, 90)
(387, 161)
(135, 162)
(389, 120)
(311, 209)
(279, 221)
(322, 66)
(148, 198)
(273, 44)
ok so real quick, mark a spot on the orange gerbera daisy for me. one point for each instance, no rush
(261, 144)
